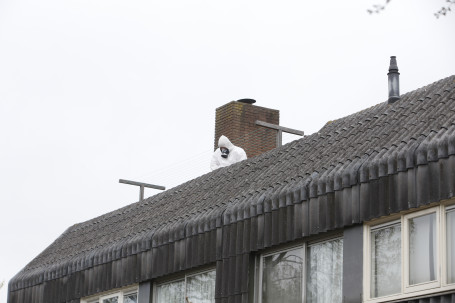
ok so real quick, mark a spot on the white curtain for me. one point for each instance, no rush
(422, 249)
(325, 272)
(198, 288)
(450, 235)
(385, 261)
(201, 288)
(282, 277)
(173, 292)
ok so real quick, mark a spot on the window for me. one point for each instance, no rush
(282, 276)
(385, 260)
(196, 288)
(309, 273)
(450, 245)
(411, 255)
(128, 295)
(324, 272)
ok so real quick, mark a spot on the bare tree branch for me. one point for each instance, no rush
(377, 8)
(445, 9)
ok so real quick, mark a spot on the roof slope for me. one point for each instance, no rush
(382, 140)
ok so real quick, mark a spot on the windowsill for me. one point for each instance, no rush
(414, 295)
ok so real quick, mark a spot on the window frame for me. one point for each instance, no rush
(367, 252)
(112, 293)
(407, 291)
(445, 278)
(182, 277)
(304, 246)
(405, 252)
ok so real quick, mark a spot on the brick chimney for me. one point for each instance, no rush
(236, 120)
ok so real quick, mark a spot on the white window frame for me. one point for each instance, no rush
(181, 278)
(113, 293)
(304, 246)
(449, 208)
(408, 291)
(367, 254)
(405, 252)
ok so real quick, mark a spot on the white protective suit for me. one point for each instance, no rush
(236, 154)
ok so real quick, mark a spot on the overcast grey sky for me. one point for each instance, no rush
(93, 91)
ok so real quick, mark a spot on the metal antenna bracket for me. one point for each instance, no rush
(141, 187)
(280, 129)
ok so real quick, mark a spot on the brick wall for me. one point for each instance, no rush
(236, 120)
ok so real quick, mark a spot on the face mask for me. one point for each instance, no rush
(224, 152)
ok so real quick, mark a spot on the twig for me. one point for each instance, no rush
(377, 8)
(445, 9)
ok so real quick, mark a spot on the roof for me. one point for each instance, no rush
(349, 156)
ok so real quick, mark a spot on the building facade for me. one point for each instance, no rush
(361, 211)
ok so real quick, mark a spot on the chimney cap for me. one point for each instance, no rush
(393, 67)
(394, 80)
(246, 100)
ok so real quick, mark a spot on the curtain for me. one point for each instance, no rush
(325, 272)
(385, 261)
(173, 292)
(201, 288)
(422, 249)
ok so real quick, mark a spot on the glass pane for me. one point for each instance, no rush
(450, 236)
(385, 261)
(282, 277)
(173, 292)
(325, 272)
(201, 288)
(422, 249)
(131, 298)
(111, 300)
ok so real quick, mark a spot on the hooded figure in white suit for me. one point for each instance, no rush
(226, 154)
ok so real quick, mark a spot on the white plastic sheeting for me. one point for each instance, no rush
(236, 154)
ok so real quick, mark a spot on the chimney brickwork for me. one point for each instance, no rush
(237, 121)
